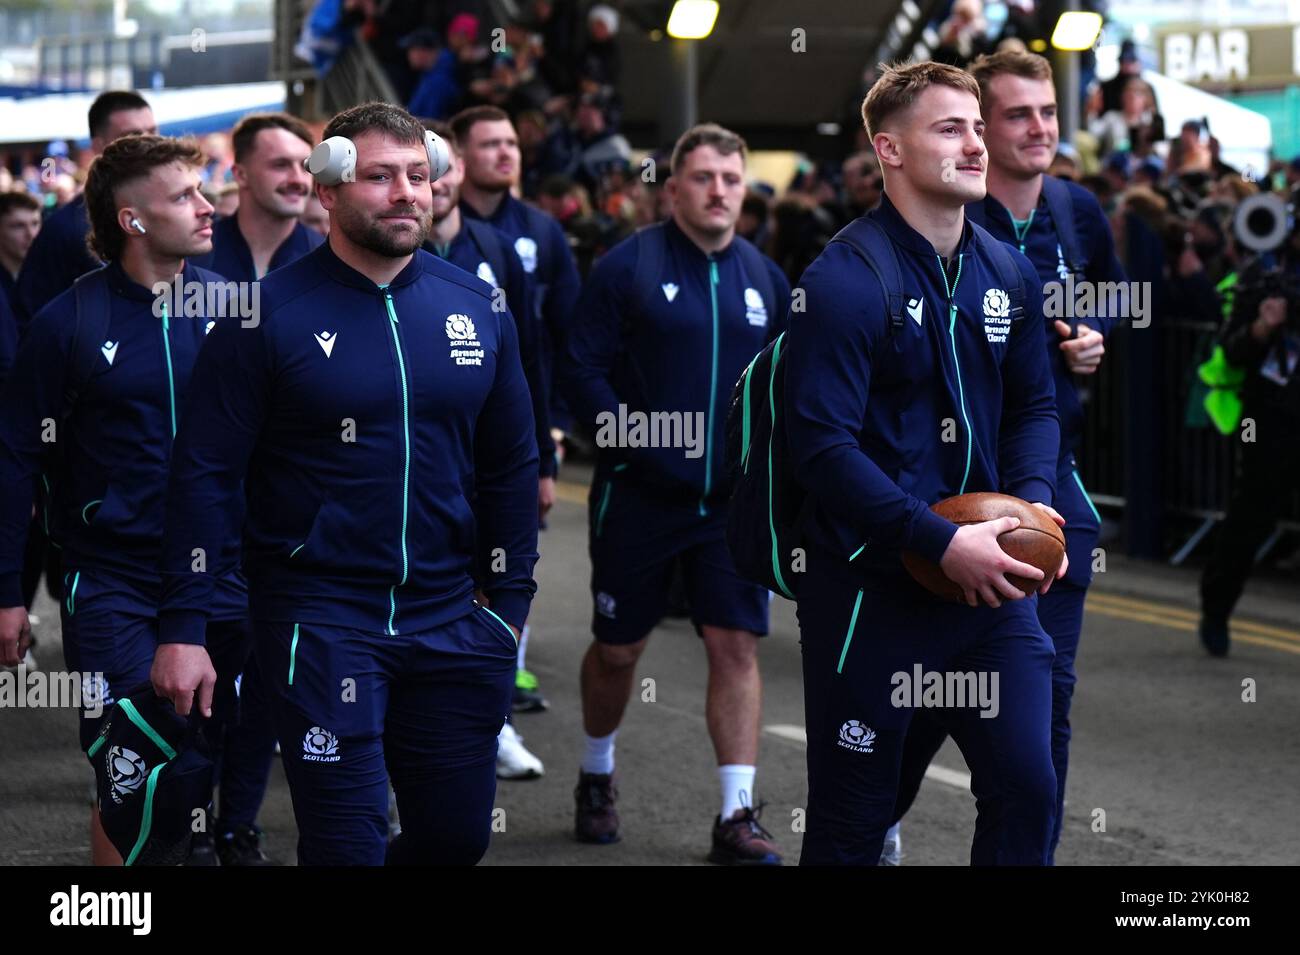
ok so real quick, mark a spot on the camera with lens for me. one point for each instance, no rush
(1266, 224)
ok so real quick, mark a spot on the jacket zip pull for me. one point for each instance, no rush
(713, 388)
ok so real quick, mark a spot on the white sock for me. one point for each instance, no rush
(737, 787)
(523, 648)
(599, 755)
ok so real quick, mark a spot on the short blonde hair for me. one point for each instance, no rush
(899, 86)
(1029, 66)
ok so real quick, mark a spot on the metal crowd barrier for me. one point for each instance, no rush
(1193, 463)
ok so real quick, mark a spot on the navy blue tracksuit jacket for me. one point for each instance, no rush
(58, 257)
(231, 256)
(8, 335)
(548, 261)
(110, 477)
(678, 347)
(464, 253)
(1097, 246)
(363, 422)
(866, 409)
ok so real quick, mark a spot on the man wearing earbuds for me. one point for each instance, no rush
(92, 405)
(59, 253)
(378, 420)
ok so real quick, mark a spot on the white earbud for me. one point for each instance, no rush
(439, 155)
(135, 224)
(335, 160)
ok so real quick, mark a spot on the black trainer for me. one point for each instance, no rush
(242, 846)
(1214, 636)
(740, 840)
(595, 819)
(203, 850)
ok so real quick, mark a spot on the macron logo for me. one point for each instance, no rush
(110, 350)
(326, 341)
(670, 290)
(914, 308)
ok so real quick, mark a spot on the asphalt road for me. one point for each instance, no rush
(1184, 769)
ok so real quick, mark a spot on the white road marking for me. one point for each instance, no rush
(797, 734)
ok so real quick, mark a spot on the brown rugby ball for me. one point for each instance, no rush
(1036, 541)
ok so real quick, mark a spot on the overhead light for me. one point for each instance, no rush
(692, 19)
(828, 129)
(1076, 30)
(1038, 45)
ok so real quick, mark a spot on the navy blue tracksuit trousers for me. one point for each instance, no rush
(353, 709)
(1060, 611)
(854, 642)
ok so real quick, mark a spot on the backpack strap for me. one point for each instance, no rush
(1009, 274)
(1060, 204)
(757, 271)
(869, 240)
(89, 331)
(488, 241)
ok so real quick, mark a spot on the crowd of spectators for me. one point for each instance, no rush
(556, 70)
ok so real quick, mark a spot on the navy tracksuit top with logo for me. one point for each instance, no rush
(231, 256)
(867, 409)
(384, 437)
(676, 347)
(1097, 246)
(464, 253)
(106, 505)
(543, 249)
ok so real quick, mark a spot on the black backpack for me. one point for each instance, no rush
(153, 770)
(767, 502)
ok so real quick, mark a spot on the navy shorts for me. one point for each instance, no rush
(110, 633)
(353, 709)
(636, 541)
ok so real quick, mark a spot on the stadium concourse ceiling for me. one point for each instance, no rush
(749, 75)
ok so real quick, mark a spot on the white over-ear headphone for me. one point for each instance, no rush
(335, 160)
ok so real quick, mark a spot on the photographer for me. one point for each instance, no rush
(1263, 339)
